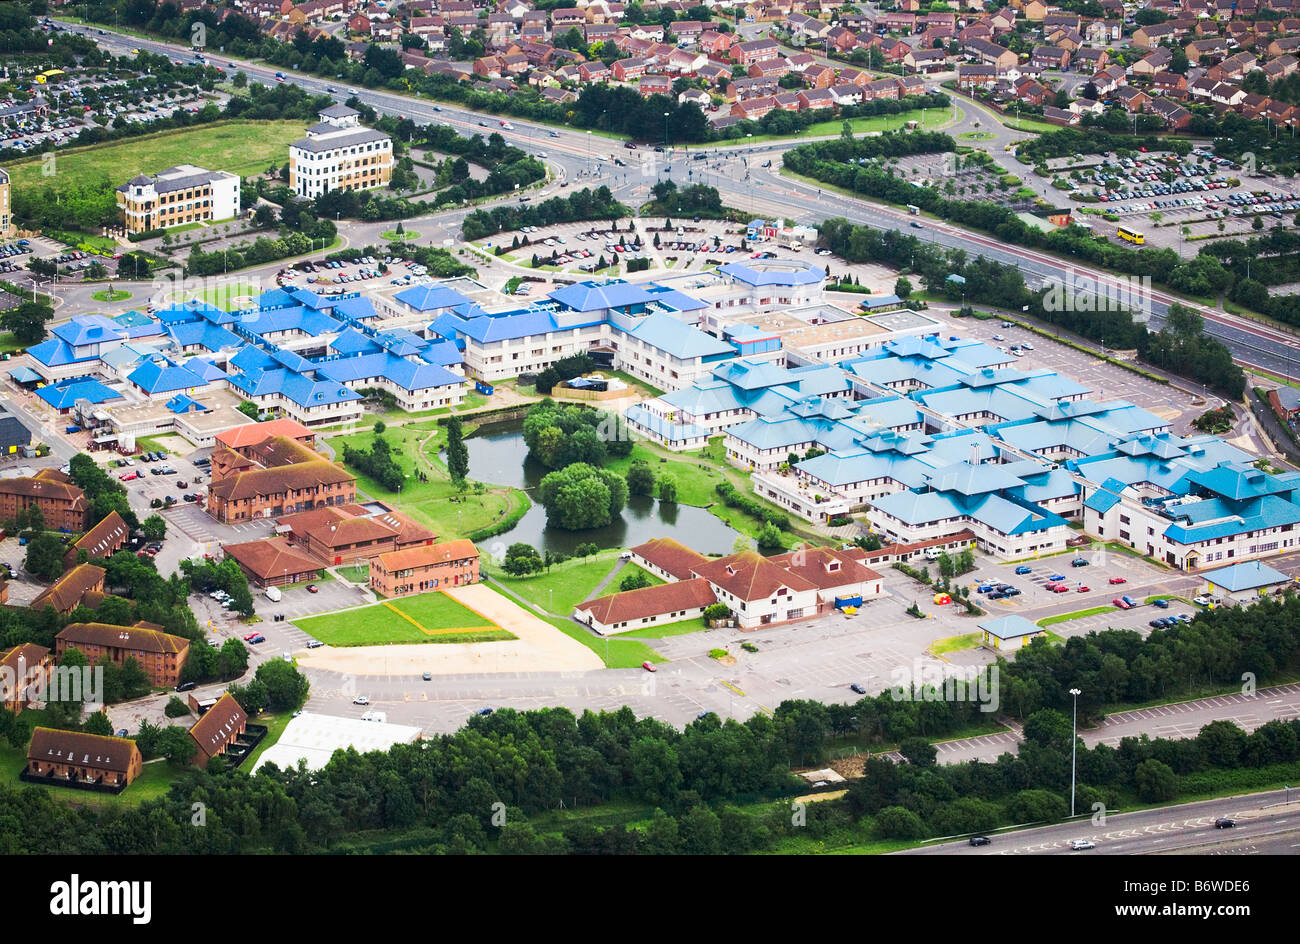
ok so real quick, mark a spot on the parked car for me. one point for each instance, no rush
(1129, 600)
(1119, 602)
(361, 700)
(649, 666)
(980, 841)
(1118, 580)
(186, 686)
(1056, 577)
(1202, 600)
(1024, 569)
(314, 644)
(1084, 589)
(858, 688)
(312, 588)
(428, 676)
(1161, 604)
(1079, 562)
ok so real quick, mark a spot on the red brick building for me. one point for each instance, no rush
(83, 584)
(20, 667)
(83, 758)
(161, 655)
(434, 567)
(101, 541)
(63, 504)
(218, 727)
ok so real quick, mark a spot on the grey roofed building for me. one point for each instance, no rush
(13, 433)
(338, 111)
(347, 139)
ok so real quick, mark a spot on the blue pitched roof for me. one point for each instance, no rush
(597, 296)
(1010, 627)
(55, 352)
(507, 327)
(357, 308)
(89, 329)
(204, 333)
(159, 375)
(1101, 501)
(1248, 575)
(352, 341)
(431, 297)
(679, 340)
(183, 404)
(785, 274)
(64, 394)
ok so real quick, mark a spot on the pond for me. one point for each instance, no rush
(498, 456)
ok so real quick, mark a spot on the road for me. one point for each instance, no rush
(1266, 823)
(582, 157)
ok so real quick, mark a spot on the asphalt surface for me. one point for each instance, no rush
(581, 158)
(1265, 823)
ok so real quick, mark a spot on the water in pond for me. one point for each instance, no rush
(498, 456)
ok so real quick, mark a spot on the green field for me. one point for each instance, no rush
(566, 585)
(240, 147)
(617, 653)
(440, 619)
(415, 447)
(955, 643)
(355, 574)
(933, 118)
(1077, 614)
(226, 295)
(153, 782)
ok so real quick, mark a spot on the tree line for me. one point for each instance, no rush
(581, 205)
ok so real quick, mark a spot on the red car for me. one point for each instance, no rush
(129, 476)
(1059, 588)
(1118, 580)
(1120, 603)
(1084, 589)
(249, 636)
(649, 666)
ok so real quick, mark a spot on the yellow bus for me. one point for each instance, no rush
(1131, 236)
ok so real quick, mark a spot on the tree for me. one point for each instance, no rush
(770, 539)
(175, 708)
(286, 687)
(667, 488)
(249, 409)
(902, 287)
(27, 322)
(635, 581)
(154, 527)
(640, 478)
(175, 744)
(457, 453)
(581, 496)
(98, 723)
(898, 822)
(380, 426)
(233, 659)
(918, 751)
(44, 557)
(521, 560)
(1156, 781)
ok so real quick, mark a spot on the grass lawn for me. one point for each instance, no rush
(425, 617)
(393, 236)
(9, 344)
(226, 295)
(275, 725)
(565, 585)
(933, 117)
(415, 447)
(955, 643)
(240, 147)
(1077, 614)
(165, 444)
(355, 574)
(684, 628)
(115, 295)
(154, 781)
(616, 652)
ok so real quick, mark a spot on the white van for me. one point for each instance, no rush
(273, 594)
(933, 553)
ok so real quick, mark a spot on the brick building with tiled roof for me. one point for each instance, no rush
(84, 758)
(20, 668)
(218, 727)
(83, 584)
(428, 567)
(161, 655)
(667, 558)
(101, 541)
(272, 562)
(62, 504)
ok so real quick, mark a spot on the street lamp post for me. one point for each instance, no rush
(1074, 737)
(665, 132)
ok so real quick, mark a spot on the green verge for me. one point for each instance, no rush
(1077, 614)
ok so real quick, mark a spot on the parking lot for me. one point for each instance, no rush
(1158, 194)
